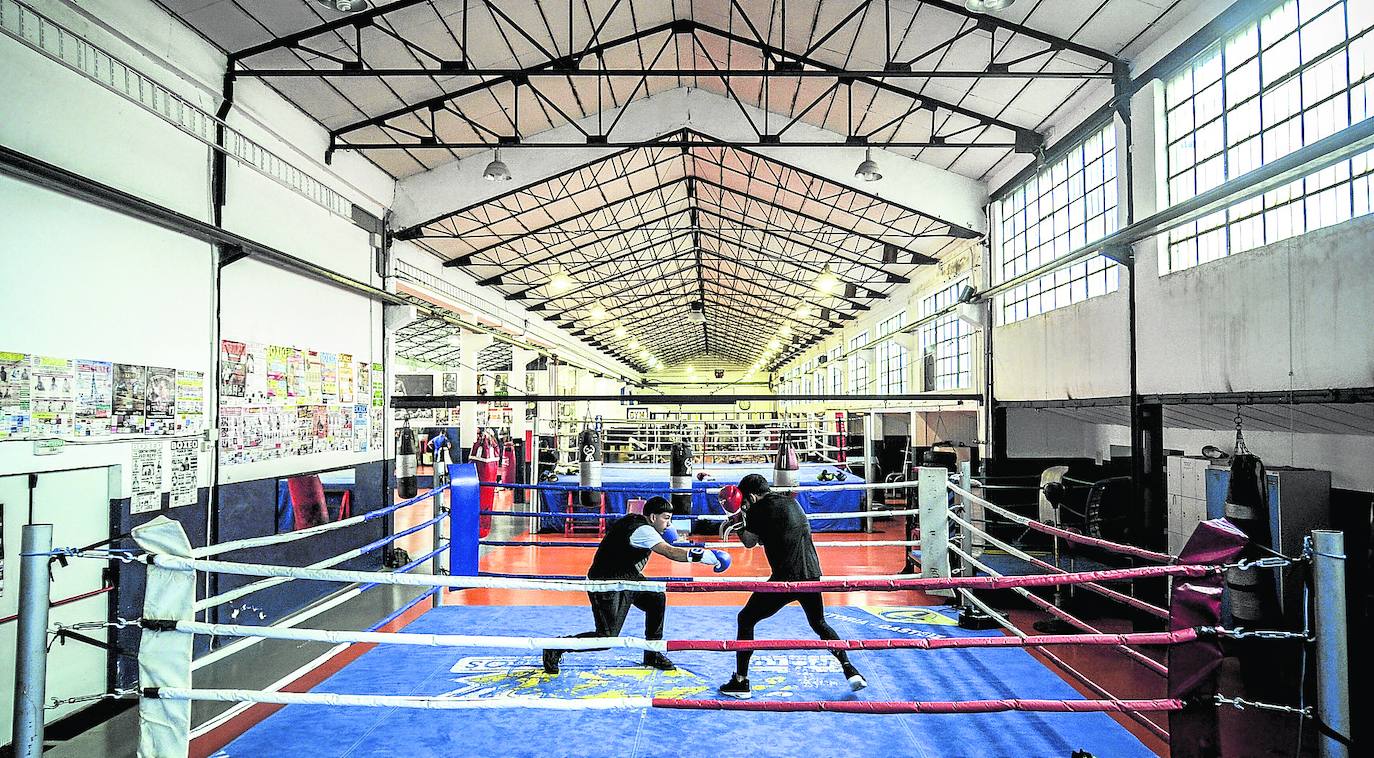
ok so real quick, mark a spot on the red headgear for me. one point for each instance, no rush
(730, 498)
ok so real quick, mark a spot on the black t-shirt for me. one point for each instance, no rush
(615, 557)
(785, 534)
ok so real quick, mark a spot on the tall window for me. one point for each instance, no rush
(1064, 207)
(891, 357)
(822, 375)
(808, 369)
(1303, 72)
(858, 367)
(946, 340)
(836, 370)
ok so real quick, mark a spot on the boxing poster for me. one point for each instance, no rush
(277, 375)
(130, 401)
(232, 377)
(161, 400)
(145, 481)
(255, 374)
(184, 466)
(450, 383)
(52, 398)
(375, 424)
(14, 394)
(360, 427)
(94, 398)
(190, 401)
(329, 377)
(314, 379)
(295, 373)
(345, 379)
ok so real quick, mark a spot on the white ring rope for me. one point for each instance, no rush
(824, 543)
(178, 563)
(248, 589)
(994, 507)
(421, 640)
(274, 539)
(404, 701)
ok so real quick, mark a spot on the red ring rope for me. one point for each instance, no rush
(1143, 638)
(900, 706)
(953, 582)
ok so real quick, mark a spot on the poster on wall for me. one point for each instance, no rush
(232, 356)
(185, 459)
(190, 403)
(360, 427)
(277, 376)
(314, 379)
(329, 377)
(52, 396)
(345, 378)
(129, 398)
(295, 373)
(14, 394)
(375, 424)
(450, 383)
(94, 398)
(162, 400)
(255, 374)
(146, 478)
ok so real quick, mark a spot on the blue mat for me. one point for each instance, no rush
(325, 732)
(648, 480)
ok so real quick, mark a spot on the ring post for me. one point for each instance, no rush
(1333, 654)
(933, 494)
(966, 535)
(465, 500)
(31, 660)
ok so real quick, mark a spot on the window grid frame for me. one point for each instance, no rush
(1184, 245)
(951, 338)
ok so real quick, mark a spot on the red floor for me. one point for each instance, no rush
(1117, 674)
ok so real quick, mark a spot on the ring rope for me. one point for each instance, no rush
(1067, 617)
(622, 703)
(253, 587)
(1133, 602)
(711, 545)
(479, 582)
(698, 517)
(570, 487)
(273, 539)
(1040, 526)
(593, 643)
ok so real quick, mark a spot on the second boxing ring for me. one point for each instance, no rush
(940, 689)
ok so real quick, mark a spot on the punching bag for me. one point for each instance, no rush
(1253, 595)
(507, 461)
(680, 476)
(785, 467)
(405, 464)
(589, 466)
(485, 457)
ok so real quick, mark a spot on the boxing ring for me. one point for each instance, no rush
(936, 688)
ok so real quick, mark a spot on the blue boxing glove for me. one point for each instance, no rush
(722, 561)
(670, 536)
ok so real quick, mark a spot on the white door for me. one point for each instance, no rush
(77, 504)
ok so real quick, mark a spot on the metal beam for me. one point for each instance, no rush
(600, 145)
(662, 73)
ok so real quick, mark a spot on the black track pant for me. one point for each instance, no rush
(609, 609)
(762, 605)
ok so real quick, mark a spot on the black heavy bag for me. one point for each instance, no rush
(1253, 592)
(405, 464)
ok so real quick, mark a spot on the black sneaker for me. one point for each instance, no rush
(736, 687)
(856, 680)
(551, 658)
(658, 661)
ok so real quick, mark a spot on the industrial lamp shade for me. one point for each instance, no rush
(983, 6)
(497, 170)
(868, 168)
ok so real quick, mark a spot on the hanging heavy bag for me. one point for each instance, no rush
(1253, 593)
(406, 485)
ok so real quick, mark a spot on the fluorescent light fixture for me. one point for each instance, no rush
(497, 170)
(598, 313)
(620, 331)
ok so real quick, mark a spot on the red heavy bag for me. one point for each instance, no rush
(486, 457)
(508, 461)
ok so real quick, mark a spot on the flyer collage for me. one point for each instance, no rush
(277, 402)
(45, 396)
